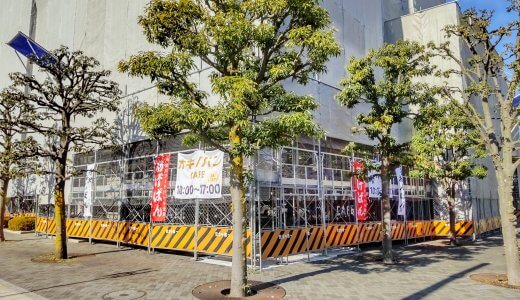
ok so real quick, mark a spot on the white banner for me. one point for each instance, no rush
(401, 209)
(199, 175)
(87, 194)
(375, 184)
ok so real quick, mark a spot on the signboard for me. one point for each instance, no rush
(87, 194)
(401, 209)
(375, 184)
(199, 175)
(160, 187)
(360, 192)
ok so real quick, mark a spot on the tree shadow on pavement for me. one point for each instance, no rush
(104, 277)
(409, 258)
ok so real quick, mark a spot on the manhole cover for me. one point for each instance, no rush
(124, 295)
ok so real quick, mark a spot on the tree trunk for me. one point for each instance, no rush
(237, 188)
(508, 220)
(60, 247)
(386, 214)
(3, 203)
(451, 209)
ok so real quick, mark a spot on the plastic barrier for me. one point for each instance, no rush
(104, 230)
(173, 237)
(45, 225)
(275, 243)
(398, 231)
(216, 240)
(341, 235)
(134, 233)
(78, 228)
(370, 232)
(278, 243)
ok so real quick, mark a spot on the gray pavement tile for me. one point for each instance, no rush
(430, 274)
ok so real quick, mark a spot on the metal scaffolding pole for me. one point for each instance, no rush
(321, 196)
(94, 183)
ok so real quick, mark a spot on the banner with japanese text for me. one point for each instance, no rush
(360, 192)
(199, 175)
(401, 208)
(375, 184)
(160, 187)
(87, 194)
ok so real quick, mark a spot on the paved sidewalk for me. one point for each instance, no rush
(101, 271)
(13, 292)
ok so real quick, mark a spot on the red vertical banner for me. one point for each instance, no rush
(360, 192)
(160, 187)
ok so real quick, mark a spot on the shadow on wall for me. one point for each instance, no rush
(127, 129)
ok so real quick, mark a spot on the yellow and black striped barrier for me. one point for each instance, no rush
(173, 237)
(462, 228)
(279, 243)
(104, 230)
(78, 228)
(45, 225)
(216, 240)
(398, 231)
(341, 235)
(134, 233)
(370, 232)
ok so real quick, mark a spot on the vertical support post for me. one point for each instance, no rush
(196, 233)
(150, 215)
(320, 194)
(121, 194)
(355, 202)
(252, 213)
(405, 217)
(304, 207)
(94, 184)
(37, 212)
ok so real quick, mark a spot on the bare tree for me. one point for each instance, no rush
(66, 107)
(15, 154)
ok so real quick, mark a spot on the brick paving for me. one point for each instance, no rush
(427, 270)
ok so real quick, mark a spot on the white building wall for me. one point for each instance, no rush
(108, 31)
(426, 26)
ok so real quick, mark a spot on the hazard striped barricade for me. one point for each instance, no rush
(464, 228)
(278, 243)
(441, 228)
(104, 230)
(341, 235)
(398, 231)
(78, 228)
(429, 228)
(134, 233)
(414, 230)
(46, 225)
(173, 237)
(370, 232)
(216, 240)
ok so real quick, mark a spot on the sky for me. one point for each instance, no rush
(499, 6)
(501, 16)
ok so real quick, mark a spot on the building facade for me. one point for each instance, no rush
(307, 183)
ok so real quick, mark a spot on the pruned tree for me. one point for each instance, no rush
(66, 108)
(15, 153)
(446, 147)
(252, 47)
(487, 100)
(390, 97)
